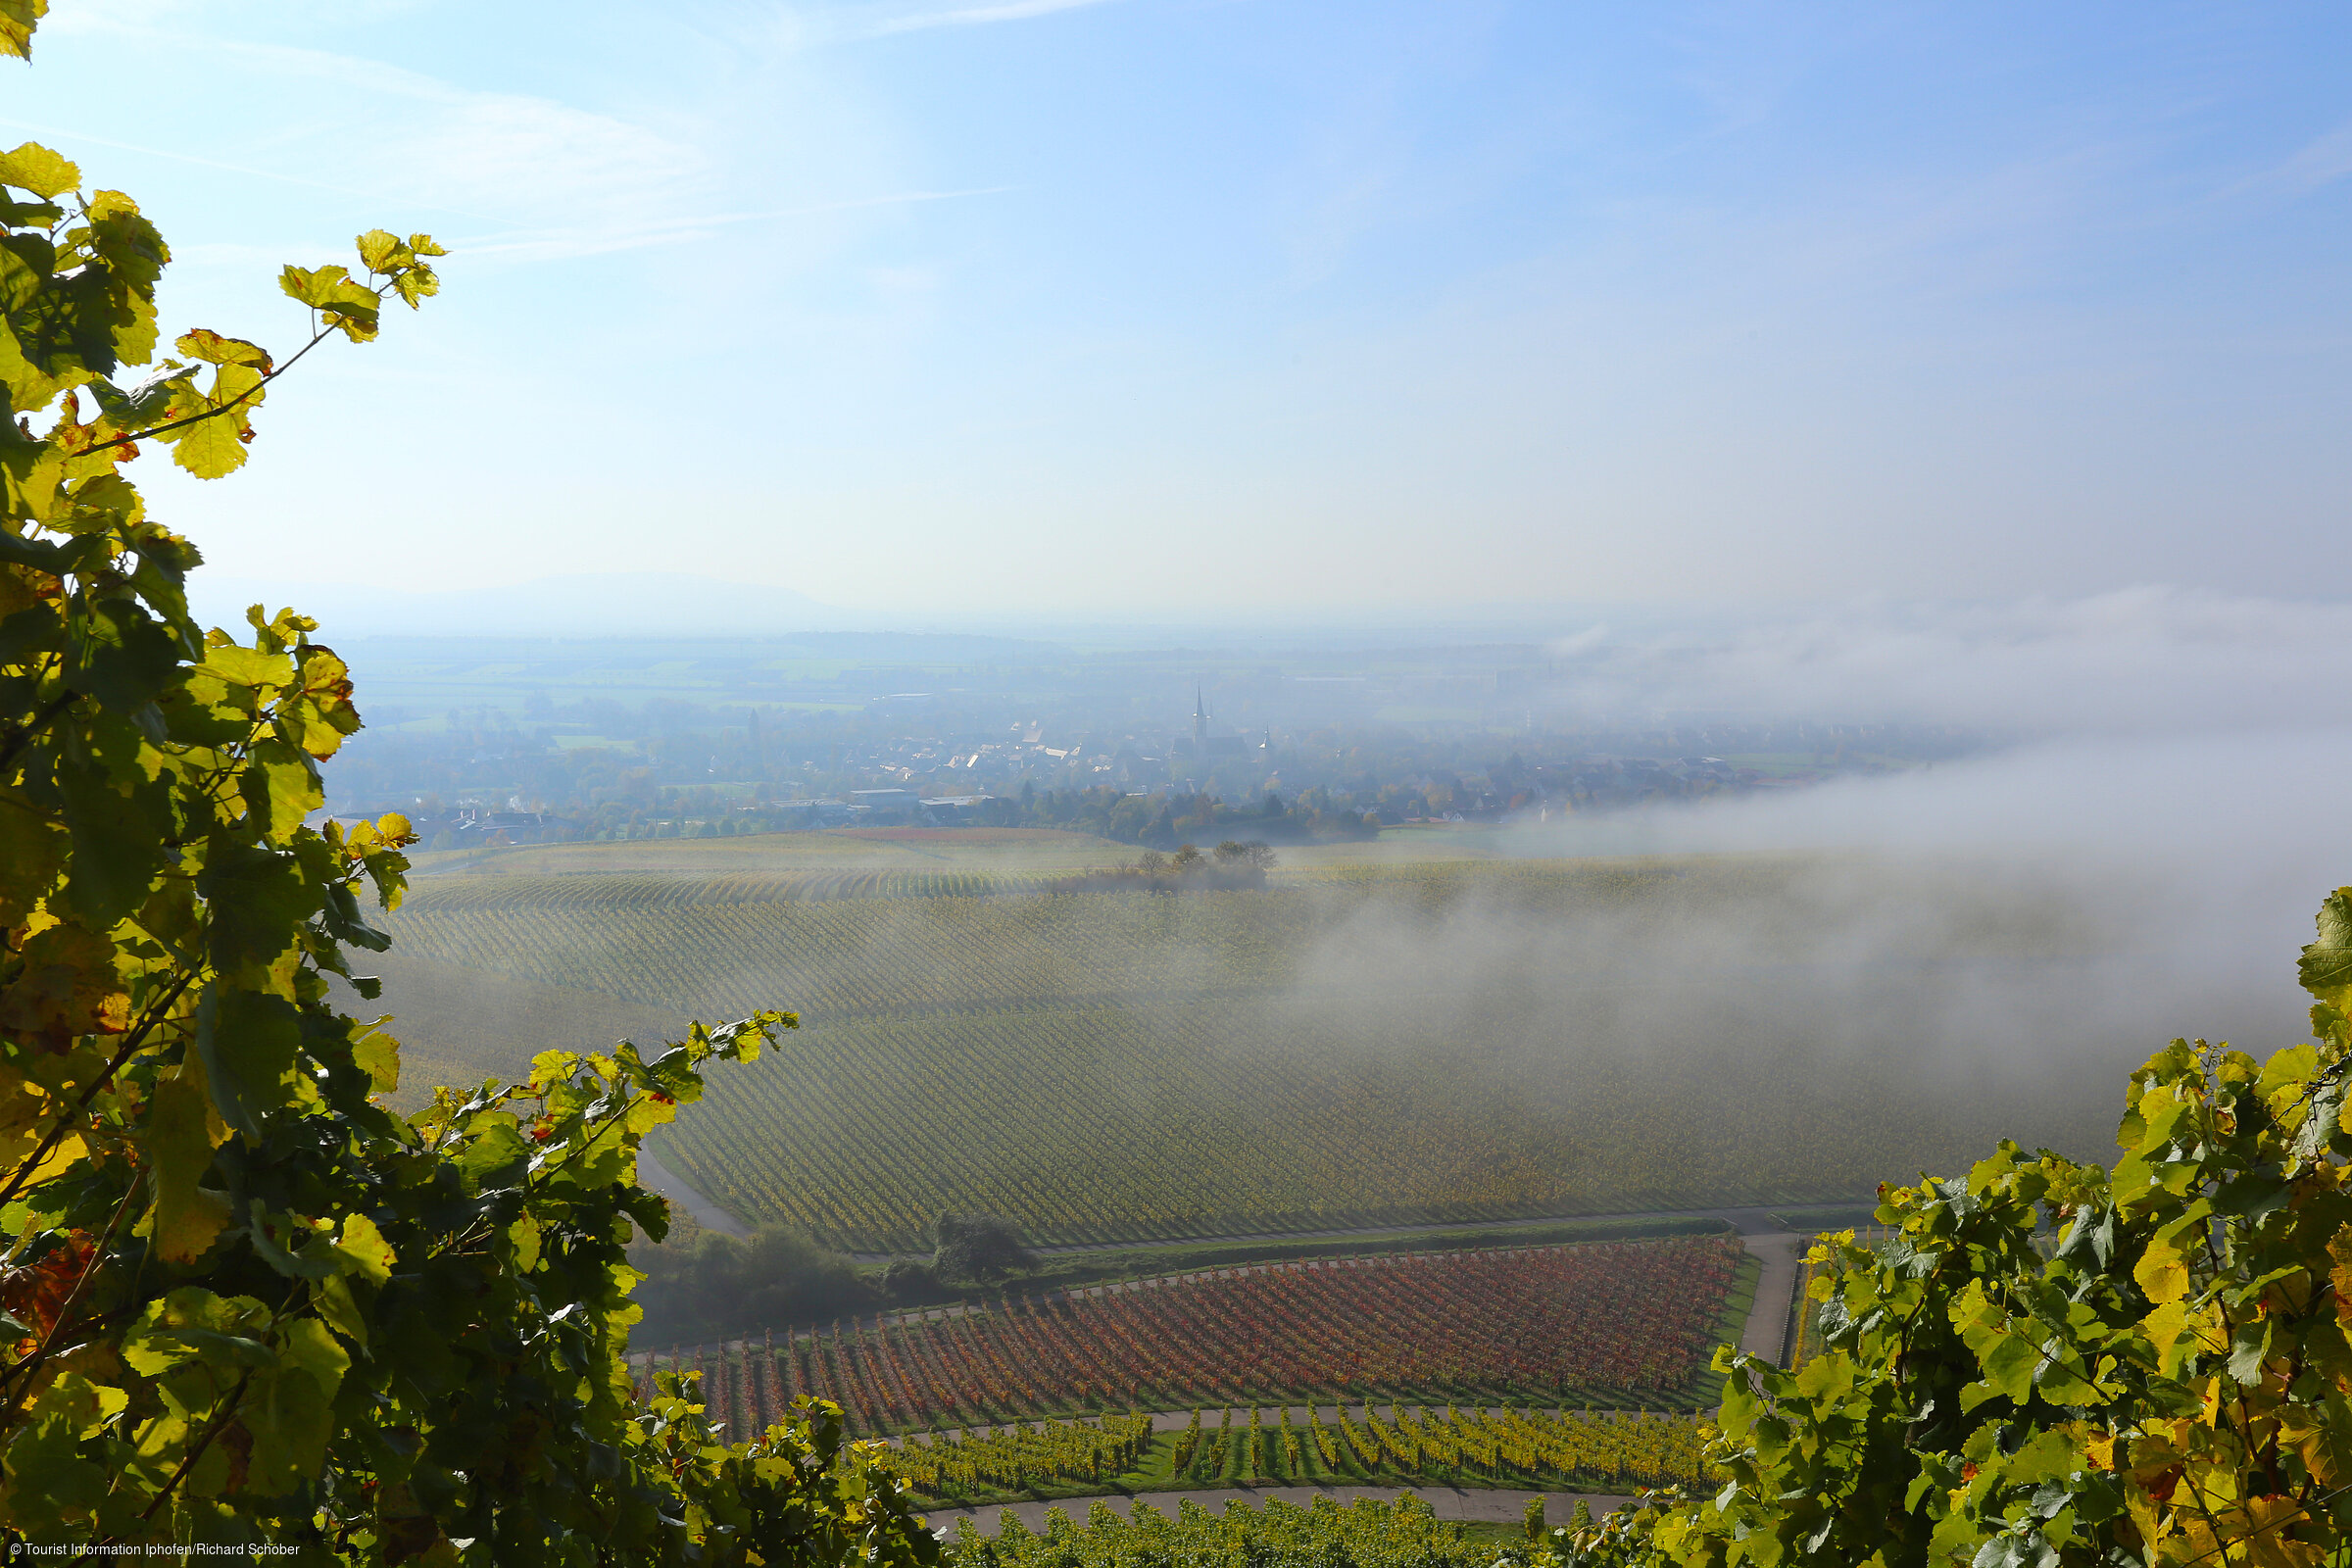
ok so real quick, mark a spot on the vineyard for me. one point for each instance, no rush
(657, 940)
(1609, 1324)
(573, 898)
(1125, 1067)
(1004, 850)
(1405, 1534)
(1018, 1457)
(833, 944)
(1534, 1447)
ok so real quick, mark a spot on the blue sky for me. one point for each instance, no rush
(1265, 305)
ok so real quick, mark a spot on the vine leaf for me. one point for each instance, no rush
(189, 1217)
(2325, 967)
(30, 165)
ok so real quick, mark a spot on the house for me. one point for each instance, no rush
(889, 800)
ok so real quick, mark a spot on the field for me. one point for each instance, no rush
(1608, 1324)
(1534, 1447)
(1006, 849)
(1363, 1043)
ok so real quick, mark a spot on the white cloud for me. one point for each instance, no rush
(797, 26)
(2141, 658)
(976, 16)
(2321, 160)
(399, 137)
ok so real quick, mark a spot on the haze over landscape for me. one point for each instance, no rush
(1400, 690)
(1504, 412)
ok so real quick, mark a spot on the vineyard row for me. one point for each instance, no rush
(1608, 1323)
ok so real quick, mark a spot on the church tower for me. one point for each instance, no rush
(1200, 723)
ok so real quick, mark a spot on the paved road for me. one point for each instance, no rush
(657, 1177)
(1747, 1221)
(1753, 1221)
(1447, 1502)
(1767, 1330)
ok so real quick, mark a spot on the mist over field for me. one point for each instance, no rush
(1797, 991)
(2085, 896)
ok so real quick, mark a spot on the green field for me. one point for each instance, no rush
(1363, 1043)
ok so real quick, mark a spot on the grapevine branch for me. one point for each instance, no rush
(21, 736)
(236, 401)
(129, 1048)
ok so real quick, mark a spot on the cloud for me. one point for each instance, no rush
(72, 137)
(978, 16)
(2137, 659)
(395, 136)
(798, 27)
(2321, 160)
(560, 180)
(548, 245)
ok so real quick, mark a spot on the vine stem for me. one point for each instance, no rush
(22, 736)
(237, 401)
(219, 1424)
(129, 1048)
(58, 1324)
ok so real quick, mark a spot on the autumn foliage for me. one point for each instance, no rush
(243, 1303)
(2050, 1363)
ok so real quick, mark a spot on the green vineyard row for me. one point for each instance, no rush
(1497, 1447)
(1403, 1534)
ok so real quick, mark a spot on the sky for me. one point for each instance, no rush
(1093, 308)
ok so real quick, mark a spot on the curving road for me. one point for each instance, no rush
(1747, 1221)
(657, 1177)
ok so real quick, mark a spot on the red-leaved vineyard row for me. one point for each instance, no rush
(1614, 1323)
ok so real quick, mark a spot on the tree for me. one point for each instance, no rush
(2051, 1363)
(244, 1302)
(981, 1247)
(905, 1279)
(1256, 855)
(720, 1287)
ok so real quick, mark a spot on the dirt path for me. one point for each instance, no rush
(1447, 1502)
